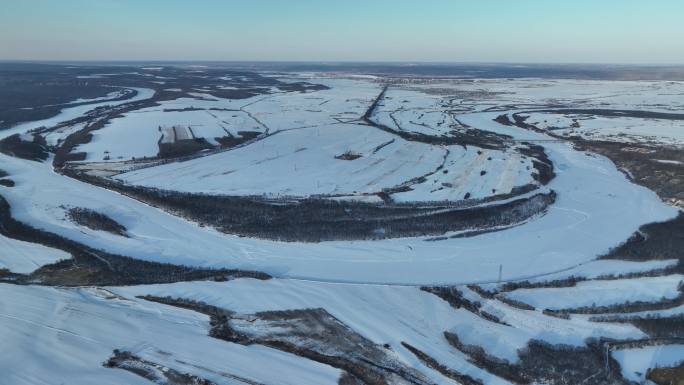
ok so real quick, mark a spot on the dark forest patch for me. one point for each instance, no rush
(243, 137)
(95, 221)
(541, 362)
(183, 147)
(6, 182)
(317, 219)
(654, 241)
(34, 149)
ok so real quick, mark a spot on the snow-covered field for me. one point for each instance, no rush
(620, 129)
(25, 257)
(298, 163)
(136, 134)
(387, 314)
(601, 268)
(657, 96)
(601, 293)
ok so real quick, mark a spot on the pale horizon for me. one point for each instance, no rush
(491, 31)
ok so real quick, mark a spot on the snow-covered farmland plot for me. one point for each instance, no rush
(415, 111)
(324, 150)
(602, 293)
(300, 162)
(138, 134)
(612, 128)
(308, 162)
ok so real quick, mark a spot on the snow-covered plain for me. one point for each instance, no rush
(592, 196)
(368, 285)
(381, 313)
(312, 130)
(601, 268)
(505, 340)
(571, 233)
(657, 96)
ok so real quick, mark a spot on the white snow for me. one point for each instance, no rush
(383, 314)
(596, 209)
(666, 161)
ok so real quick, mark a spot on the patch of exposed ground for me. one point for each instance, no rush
(6, 182)
(310, 333)
(667, 376)
(183, 147)
(156, 373)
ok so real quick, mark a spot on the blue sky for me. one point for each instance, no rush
(577, 31)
